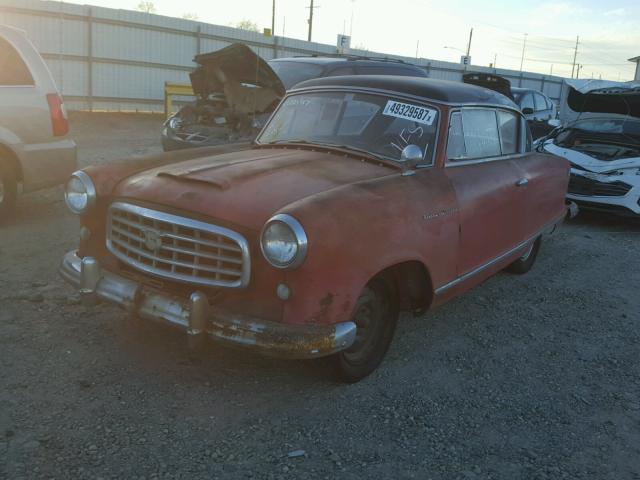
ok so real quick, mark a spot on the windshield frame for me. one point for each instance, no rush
(371, 91)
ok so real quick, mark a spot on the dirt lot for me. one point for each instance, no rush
(527, 377)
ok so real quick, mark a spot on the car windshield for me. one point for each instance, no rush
(291, 73)
(381, 125)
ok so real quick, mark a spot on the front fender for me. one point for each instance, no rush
(358, 231)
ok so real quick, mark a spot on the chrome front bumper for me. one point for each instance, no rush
(198, 318)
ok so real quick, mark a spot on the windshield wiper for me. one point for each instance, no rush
(298, 140)
(362, 151)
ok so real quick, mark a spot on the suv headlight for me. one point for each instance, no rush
(80, 193)
(283, 242)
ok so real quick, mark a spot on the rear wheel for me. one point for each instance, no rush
(376, 316)
(7, 190)
(528, 258)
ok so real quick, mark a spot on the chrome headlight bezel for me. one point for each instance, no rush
(89, 192)
(299, 235)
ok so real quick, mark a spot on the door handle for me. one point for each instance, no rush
(523, 182)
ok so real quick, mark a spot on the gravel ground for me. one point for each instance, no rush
(524, 377)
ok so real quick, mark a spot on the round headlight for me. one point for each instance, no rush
(283, 242)
(80, 193)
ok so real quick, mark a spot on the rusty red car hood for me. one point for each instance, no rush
(245, 188)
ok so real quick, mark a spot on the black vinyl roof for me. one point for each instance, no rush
(437, 90)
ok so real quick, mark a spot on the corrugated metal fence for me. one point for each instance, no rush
(107, 59)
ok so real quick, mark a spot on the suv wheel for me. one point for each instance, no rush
(7, 190)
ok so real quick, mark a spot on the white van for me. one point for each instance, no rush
(35, 151)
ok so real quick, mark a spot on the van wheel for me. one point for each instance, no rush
(526, 261)
(376, 316)
(7, 190)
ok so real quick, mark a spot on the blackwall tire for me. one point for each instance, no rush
(526, 261)
(376, 315)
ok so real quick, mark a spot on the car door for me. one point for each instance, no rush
(485, 179)
(544, 184)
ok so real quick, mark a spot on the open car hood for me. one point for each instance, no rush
(489, 80)
(601, 97)
(246, 80)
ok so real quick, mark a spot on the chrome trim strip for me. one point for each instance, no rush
(242, 244)
(484, 266)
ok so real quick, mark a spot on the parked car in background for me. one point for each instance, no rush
(600, 137)
(362, 196)
(237, 90)
(35, 150)
(537, 108)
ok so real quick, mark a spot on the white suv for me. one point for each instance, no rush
(35, 151)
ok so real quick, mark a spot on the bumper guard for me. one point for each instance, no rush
(198, 318)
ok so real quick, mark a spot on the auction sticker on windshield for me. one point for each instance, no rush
(410, 112)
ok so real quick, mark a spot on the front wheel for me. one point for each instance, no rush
(376, 316)
(7, 190)
(528, 258)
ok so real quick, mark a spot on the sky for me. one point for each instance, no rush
(608, 31)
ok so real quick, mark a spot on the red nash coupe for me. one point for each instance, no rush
(362, 197)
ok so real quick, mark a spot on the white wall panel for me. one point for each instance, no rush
(132, 54)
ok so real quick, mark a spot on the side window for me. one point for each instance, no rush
(480, 133)
(13, 70)
(527, 102)
(541, 103)
(455, 143)
(508, 127)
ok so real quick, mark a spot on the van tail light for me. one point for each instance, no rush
(58, 113)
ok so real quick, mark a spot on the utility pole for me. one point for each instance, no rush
(469, 44)
(575, 54)
(495, 60)
(551, 70)
(578, 70)
(351, 23)
(524, 45)
(417, 48)
(310, 7)
(273, 18)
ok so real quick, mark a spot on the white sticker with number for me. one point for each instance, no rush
(410, 112)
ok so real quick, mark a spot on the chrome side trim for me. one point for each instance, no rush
(240, 241)
(465, 276)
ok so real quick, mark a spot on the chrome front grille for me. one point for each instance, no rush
(177, 248)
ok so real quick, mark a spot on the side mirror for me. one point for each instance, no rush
(527, 110)
(554, 122)
(411, 155)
